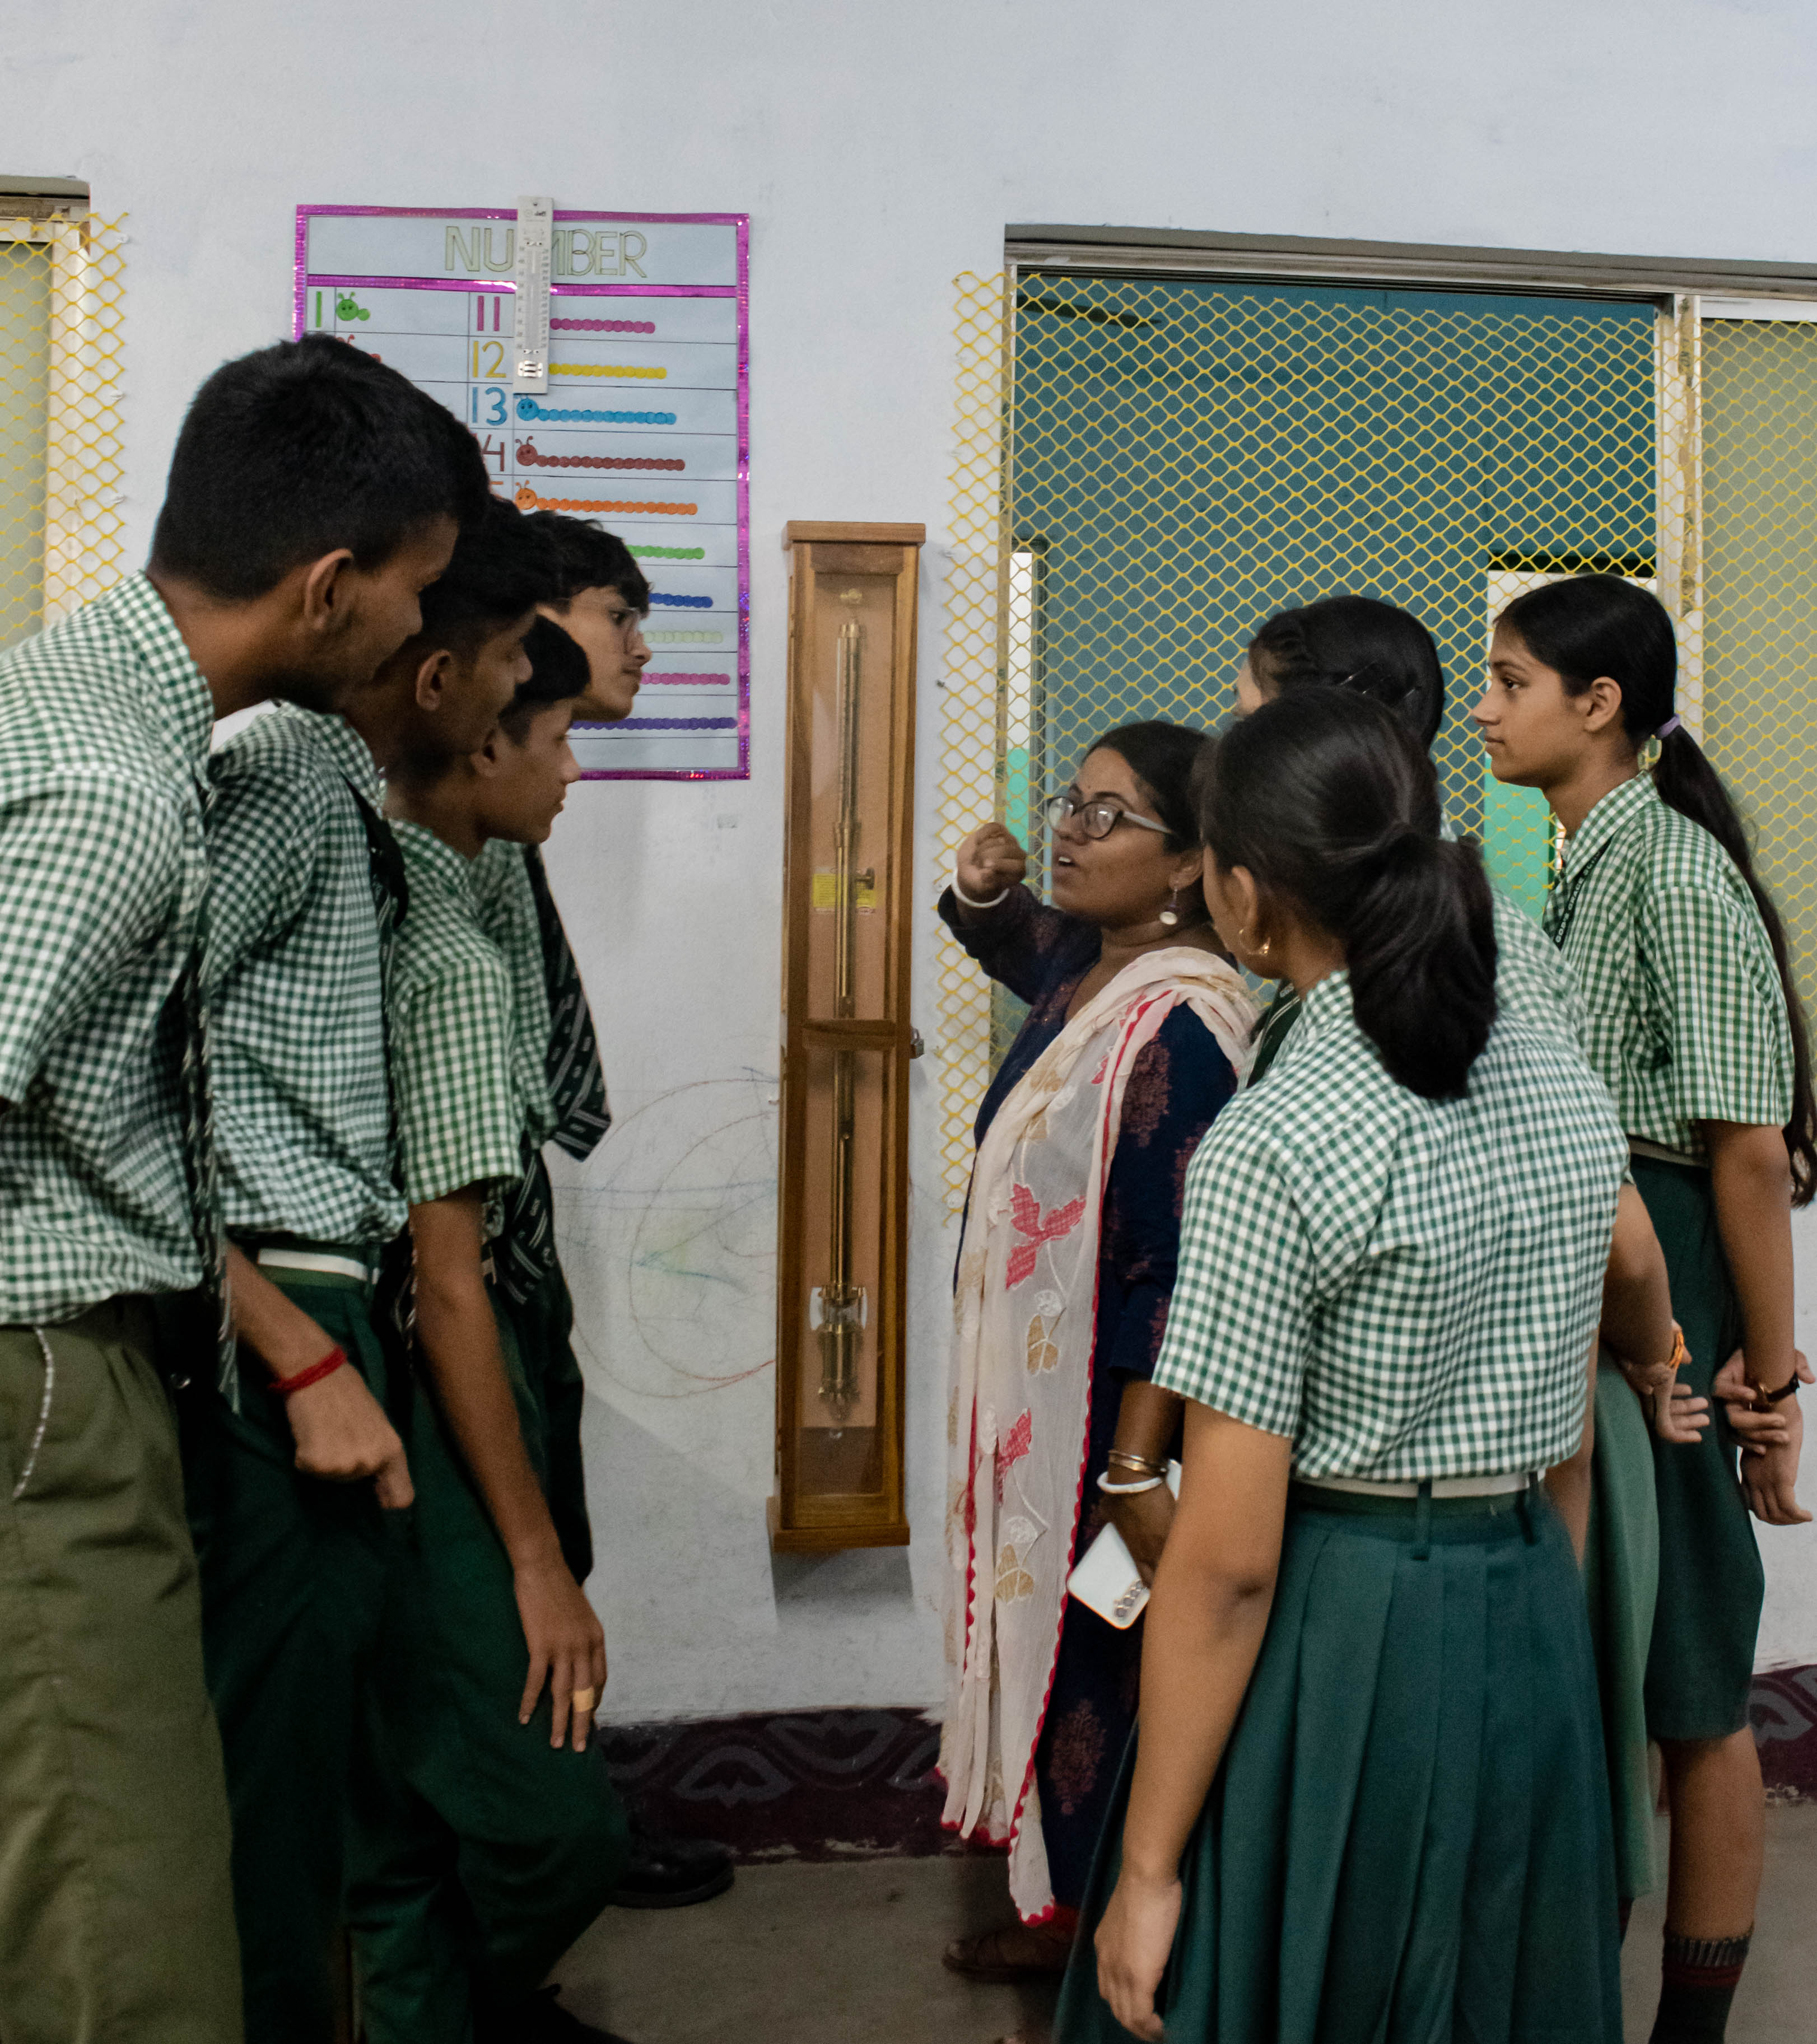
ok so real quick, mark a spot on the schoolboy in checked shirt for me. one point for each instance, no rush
(490, 1837)
(602, 601)
(310, 895)
(312, 495)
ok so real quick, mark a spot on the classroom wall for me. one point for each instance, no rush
(879, 151)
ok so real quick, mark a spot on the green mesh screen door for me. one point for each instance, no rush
(1189, 457)
(1150, 466)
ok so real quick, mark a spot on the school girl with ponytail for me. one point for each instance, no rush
(1695, 1028)
(1366, 1796)
(1605, 1492)
(1376, 649)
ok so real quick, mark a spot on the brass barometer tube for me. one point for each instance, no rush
(841, 1305)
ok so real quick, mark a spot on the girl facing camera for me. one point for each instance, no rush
(1136, 1028)
(1696, 1029)
(1367, 1794)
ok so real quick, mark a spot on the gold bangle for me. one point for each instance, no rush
(1128, 1458)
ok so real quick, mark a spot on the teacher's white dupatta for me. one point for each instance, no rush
(1025, 1308)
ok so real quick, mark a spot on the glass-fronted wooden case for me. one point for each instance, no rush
(846, 1037)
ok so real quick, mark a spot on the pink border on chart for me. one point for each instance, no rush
(741, 291)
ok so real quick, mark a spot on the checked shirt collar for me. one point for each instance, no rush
(1621, 808)
(177, 703)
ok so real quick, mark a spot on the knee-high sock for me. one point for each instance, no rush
(1697, 1984)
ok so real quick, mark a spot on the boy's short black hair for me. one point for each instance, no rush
(296, 450)
(592, 557)
(559, 672)
(503, 566)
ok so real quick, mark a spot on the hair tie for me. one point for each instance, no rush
(1666, 730)
(1398, 841)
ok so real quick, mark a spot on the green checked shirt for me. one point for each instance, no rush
(1686, 1016)
(472, 1101)
(104, 731)
(1532, 985)
(508, 913)
(1407, 1288)
(294, 975)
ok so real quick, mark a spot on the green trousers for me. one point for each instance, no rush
(293, 1577)
(116, 1914)
(481, 1852)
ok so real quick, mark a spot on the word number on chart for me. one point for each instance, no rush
(640, 422)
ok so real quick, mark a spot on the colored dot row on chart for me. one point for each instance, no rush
(676, 724)
(528, 408)
(684, 638)
(528, 500)
(681, 603)
(602, 326)
(687, 681)
(603, 369)
(669, 553)
(527, 456)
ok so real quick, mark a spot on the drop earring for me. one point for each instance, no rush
(1170, 914)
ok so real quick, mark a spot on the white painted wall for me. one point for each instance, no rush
(879, 150)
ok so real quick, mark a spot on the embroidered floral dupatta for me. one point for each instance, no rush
(1025, 1307)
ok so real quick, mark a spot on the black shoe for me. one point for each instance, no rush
(669, 1873)
(538, 2019)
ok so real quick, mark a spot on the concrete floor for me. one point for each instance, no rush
(850, 1954)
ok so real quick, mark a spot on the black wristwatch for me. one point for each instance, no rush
(1763, 1397)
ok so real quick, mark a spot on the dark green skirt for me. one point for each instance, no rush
(1700, 1667)
(1620, 1584)
(1407, 1841)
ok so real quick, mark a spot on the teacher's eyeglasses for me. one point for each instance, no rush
(1096, 820)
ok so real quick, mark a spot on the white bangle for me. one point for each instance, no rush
(1129, 1489)
(960, 895)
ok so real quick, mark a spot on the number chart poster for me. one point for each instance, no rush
(644, 426)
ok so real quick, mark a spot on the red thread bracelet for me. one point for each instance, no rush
(286, 1387)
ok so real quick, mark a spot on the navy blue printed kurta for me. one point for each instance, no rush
(1176, 1085)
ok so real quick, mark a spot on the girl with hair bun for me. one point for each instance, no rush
(1695, 1027)
(1366, 1798)
(1367, 647)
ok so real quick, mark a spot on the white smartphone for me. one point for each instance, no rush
(1107, 1581)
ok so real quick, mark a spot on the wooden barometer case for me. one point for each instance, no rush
(841, 1283)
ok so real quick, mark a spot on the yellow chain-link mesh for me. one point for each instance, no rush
(1760, 631)
(971, 761)
(61, 338)
(1147, 468)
